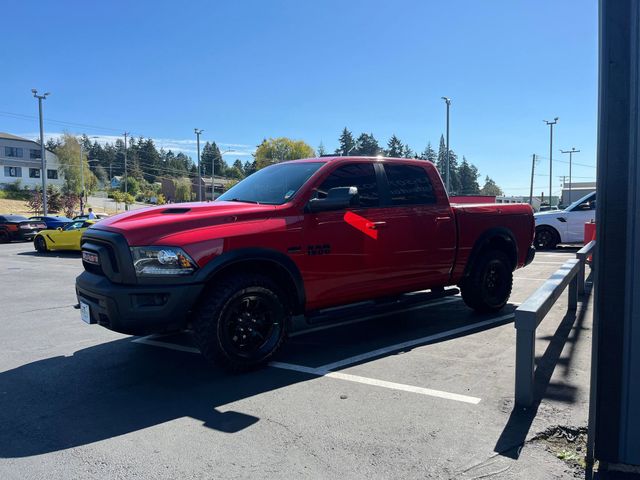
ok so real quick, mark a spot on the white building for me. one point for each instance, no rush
(20, 160)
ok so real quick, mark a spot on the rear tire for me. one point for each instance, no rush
(488, 286)
(4, 236)
(546, 238)
(40, 244)
(241, 322)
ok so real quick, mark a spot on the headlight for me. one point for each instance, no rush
(153, 261)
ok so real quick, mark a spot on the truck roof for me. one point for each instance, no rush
(327, 159)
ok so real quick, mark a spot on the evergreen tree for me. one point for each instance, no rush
(490, 187)
(468, 175)
(441, 164)
(346, 142)
(395, 148)
(408, 153)
(321, 150)
(249, 168)
(429, 154)
(367, 145)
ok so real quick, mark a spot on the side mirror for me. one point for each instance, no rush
(337, 198)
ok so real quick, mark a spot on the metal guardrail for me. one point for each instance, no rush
(530, 313)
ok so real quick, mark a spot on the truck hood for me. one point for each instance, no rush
(148, 226)
(550, 213)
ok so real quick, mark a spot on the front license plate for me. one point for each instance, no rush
(85, 313)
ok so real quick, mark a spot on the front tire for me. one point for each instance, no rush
(40, 245)
(4, 236)
(488, 286)
(546, 238)
(241, 322)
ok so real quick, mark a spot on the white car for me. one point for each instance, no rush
(564, 226)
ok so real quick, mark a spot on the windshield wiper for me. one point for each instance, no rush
(243, 201)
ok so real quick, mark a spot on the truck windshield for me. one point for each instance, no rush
(273, 185)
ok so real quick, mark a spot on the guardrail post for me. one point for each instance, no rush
(573, 292)
(525, 364)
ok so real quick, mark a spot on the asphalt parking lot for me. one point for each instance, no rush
(421, 393)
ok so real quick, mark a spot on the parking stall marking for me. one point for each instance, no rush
(322, 372)
(413, 343)
(328, 369)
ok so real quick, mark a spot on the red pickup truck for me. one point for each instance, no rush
(298, 239)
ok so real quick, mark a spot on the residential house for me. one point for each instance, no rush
(20, 159)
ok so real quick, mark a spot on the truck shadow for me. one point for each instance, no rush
(120, 387)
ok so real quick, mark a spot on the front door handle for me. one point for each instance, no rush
(443, 219)
(376, 225)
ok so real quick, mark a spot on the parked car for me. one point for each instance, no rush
(315, 238)
(17, 227)
(99, 216)
(565, 226)
(52, 222)
(62, 238)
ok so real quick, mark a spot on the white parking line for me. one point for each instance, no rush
(323, 372)
(412, 343)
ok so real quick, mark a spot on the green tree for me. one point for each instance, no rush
(71, 163)
(133, 186)
(321, 150)
(211, 156)
(183, 189)
(490, 187)
(346, 141)
(429, 154)
(367, 145)
(468, 175)
(441, 164)
(248, 168)
(395, 148)
(281, 149)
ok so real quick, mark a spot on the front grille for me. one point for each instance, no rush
(92, 268)
(114, 253)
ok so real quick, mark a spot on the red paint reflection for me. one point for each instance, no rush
(361, 224)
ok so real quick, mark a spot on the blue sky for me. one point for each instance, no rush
(245, 70)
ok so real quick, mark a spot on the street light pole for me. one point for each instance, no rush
(551, 124)
(200, 179)
(43, 158)
(570, 152)
(447, 168)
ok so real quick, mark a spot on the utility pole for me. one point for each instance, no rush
(447, 168)
(570, 152)
(533, 167)
(82, 179)
(126, 178)
(43, 158)
(200, 172)
(551, 124)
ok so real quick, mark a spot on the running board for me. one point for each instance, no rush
(381, 305)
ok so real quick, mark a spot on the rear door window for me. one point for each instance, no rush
(409, 185)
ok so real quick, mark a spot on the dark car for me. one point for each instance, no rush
(17, 227)
(52, 222)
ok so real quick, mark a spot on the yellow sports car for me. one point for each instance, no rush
(62, 238)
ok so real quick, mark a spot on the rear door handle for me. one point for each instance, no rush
(376, 225)
(443, 219)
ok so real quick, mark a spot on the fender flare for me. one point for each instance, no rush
(249, 255)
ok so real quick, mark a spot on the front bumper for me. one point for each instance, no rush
(136, 309)
(25, 235)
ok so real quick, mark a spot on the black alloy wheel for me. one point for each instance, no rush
(546, 238)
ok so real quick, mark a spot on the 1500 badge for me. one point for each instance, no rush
(319, 249)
